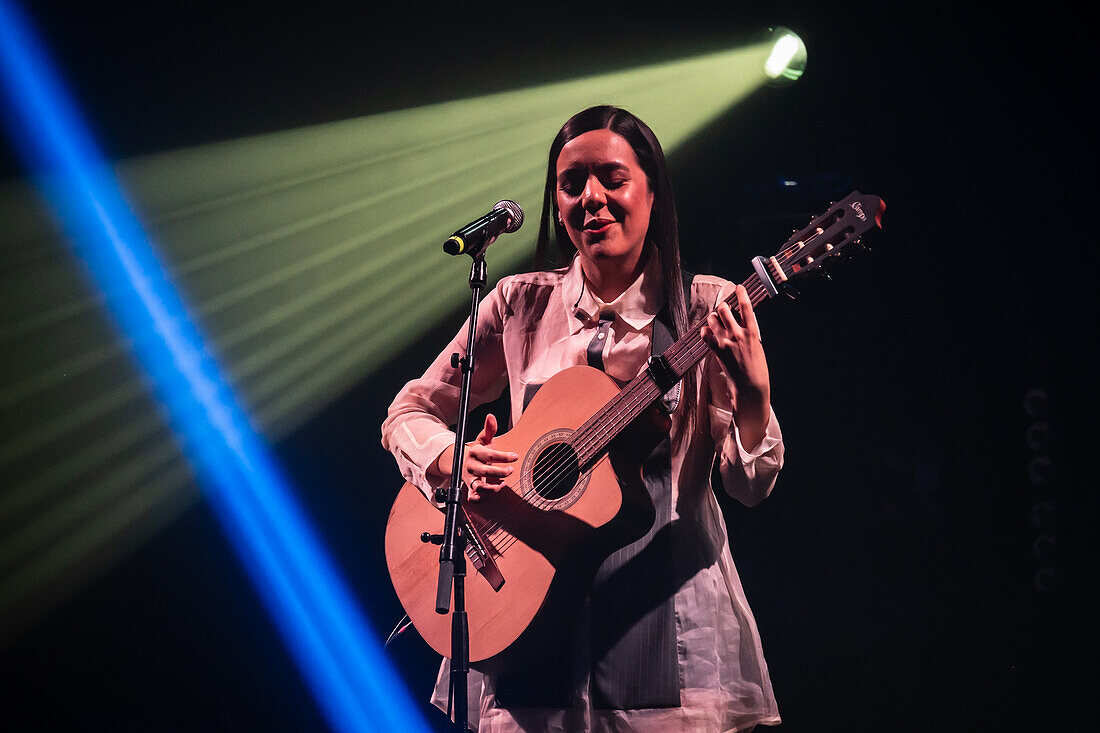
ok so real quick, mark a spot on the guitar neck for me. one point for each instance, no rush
(591, 439)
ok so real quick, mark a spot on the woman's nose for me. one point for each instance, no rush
(594, 197)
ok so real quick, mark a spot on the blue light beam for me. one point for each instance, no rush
(354, 684)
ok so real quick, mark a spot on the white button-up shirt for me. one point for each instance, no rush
(534, 325)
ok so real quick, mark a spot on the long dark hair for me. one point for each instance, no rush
(663, 233)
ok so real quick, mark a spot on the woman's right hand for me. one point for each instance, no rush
(485, 467)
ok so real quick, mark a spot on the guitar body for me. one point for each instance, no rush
(527, 534)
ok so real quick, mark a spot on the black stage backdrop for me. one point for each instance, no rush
(892, 572)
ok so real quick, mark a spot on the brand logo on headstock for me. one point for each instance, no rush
(858, 208)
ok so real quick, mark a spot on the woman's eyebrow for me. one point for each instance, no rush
(608, 167)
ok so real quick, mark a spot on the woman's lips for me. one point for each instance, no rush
(597, 226)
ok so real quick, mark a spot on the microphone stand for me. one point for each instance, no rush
(452, 553)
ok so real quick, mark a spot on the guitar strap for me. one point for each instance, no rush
(633, 617)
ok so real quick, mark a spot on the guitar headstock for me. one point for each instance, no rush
(824, 237)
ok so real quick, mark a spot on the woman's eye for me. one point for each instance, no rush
(614, 179)
(574, 185)
(571, 187)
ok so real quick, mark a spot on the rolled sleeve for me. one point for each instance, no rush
(748, 476)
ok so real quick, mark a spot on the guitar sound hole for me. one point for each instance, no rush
(556, 471)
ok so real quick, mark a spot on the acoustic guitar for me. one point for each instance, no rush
(563, 488)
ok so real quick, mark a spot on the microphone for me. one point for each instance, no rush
(505, 218)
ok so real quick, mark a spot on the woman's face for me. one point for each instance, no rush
(603, 197)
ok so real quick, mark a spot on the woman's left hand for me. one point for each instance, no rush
(741, 352)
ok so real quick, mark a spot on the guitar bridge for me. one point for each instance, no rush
(480, 557)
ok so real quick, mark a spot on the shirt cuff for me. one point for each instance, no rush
(421, 455)
(772, 437)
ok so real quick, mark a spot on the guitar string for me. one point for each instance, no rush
(640, 391)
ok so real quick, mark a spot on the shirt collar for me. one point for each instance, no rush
(637, 306)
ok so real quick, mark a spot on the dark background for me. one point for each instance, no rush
(897, 573)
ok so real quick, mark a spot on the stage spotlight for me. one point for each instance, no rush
(786, 60)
